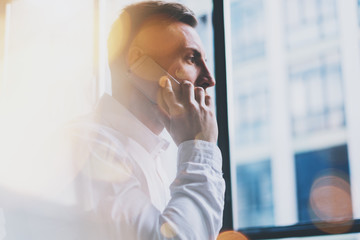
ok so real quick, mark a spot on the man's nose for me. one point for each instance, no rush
(205, 78)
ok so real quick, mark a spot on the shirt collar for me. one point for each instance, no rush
(116, 116)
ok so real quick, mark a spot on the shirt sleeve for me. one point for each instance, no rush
(196, 205)
(194, 210)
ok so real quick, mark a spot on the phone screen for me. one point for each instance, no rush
(146, 73)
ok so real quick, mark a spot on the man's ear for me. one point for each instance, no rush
(134, 54)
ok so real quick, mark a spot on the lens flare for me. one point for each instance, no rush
(330, 202)
(231, 235)
(119, 36)
(167, 231)
(105, 167)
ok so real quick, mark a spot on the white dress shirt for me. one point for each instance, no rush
(122, 182)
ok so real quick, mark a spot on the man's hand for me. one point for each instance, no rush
(189, 116)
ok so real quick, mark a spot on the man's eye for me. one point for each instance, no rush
(191, 59)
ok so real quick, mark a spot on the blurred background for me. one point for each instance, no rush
(293, 77)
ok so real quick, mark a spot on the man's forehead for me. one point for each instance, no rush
(191, 37)
(161, 33)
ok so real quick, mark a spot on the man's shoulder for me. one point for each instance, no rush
(87, 134)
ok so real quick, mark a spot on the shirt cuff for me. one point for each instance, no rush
(199, 151)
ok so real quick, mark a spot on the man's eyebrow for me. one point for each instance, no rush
(197, 53)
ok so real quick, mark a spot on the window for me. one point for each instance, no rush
(248, 39)
(308, 21)
(291, 117)
(316, 94)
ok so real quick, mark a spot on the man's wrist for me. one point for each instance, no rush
(200, 151)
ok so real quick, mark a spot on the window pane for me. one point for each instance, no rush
(254, 181)
(288, 113)
(323, 174)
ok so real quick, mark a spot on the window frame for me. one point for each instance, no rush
(297, 230)
(222, 108)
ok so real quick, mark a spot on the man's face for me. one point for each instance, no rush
(177, 48)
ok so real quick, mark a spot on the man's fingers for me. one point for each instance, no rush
(209, 102)
(187, 91)
(200, 95)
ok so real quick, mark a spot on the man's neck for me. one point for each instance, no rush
(141, 107)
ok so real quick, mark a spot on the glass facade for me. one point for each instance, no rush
(308, 21)
(254, 181)
(248, 39)
(316, 171)
(251, 113)
(288, 112)
(316, 94)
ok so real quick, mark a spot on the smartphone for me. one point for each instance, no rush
(145, 73)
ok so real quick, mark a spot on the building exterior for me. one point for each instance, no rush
(292, 108)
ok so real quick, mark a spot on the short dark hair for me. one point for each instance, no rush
(129, 22)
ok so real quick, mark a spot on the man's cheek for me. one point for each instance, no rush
(182, 73)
